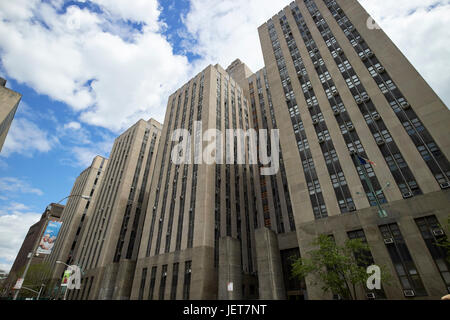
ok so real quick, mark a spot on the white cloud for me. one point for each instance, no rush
(11, 185)
(72, 125)
(15, 220)
(140, 10)
(223, 30)
(421, 33)
(94, 62)
(26, 138)
(112, 74)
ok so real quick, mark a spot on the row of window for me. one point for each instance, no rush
(163, 280)
(435, 159)
(370, 183)
(317, 199)
(340, 187)
(400, 171)
(403, 263)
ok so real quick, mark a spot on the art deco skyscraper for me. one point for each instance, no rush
(365, 141)
(198, 233)
(110, 242)
(75, 215)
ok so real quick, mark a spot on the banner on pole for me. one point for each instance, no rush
(49, 237)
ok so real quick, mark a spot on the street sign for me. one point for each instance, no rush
(18, 284)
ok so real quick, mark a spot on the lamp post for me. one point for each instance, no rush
(32, 254)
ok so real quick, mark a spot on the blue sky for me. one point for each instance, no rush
(87, 70)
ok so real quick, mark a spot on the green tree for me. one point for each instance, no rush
(445, 242)
(340, 269)
(34, 279)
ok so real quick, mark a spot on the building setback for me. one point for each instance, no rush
(9, 101)
(110, 242)
(74, 216)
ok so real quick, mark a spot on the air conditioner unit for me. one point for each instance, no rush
(352, 152)
(317, 66)
(165, 274)
(315, 50)
(380, 142)
(351, 208)
(189, 271)
(351, 128)
(315, 121)
(364, 58)
(359, 101)
(370, 54)
(445, 185)
(381, 69)
(409, 293)
(370, 295)
(309, 86)
(366, 99)
(376, 117)
(360, 40)
(340, 51)
(350, 28)
(388, 240)
(338, 10)
(407, 195)
(310, 106)
(337, 112)
(406, 106)
(438, 232)
(321, 140)
(335, 93)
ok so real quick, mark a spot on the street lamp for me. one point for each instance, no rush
(33, 252)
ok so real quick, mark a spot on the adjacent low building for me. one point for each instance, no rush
(9, 101)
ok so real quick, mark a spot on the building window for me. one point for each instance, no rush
(402, 260)
(142, 287)
(365, 259)
(187, 280)
(152, 283)
(434, 236)
(162, 285)
(173, 292)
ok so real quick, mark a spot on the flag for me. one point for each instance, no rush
(365, 161)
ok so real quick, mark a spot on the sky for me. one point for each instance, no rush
(88, 70)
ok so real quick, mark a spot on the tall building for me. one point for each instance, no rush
(198, 232)
(75, 215)
(363, 153)
(111, 238)
(9, 101)
(52, 212)
(349, 100)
